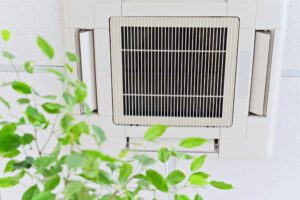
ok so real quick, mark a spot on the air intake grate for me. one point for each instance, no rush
(176, 71)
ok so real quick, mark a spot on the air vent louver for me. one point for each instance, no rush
(175, 71)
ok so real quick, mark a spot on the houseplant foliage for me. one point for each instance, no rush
(69, 172)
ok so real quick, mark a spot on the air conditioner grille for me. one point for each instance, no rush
(174, 72)
(174, 38)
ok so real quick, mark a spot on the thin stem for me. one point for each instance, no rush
(36, 142)
(15, 69)
(51, 134)
(13, 65)
(53, 128)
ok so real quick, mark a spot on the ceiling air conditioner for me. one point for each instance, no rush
(205, 68)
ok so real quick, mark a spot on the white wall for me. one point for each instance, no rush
(292, 52)
(28, 18)
(274, 179)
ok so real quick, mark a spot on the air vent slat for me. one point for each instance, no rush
(184, 68)
(174, 70)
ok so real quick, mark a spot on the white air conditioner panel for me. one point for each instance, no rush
(78, 14)
(246, 13)
(275, 73)
(258, 143)
(243, 85)
(144, 95)
(244, 71)
(87, 60)
(260, 73)
(103, 11)
(248, 137)
(103, 71)
(139, 144)
(179, 8)
(237, 131)
(176, 132)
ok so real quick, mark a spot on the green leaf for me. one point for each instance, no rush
(81, 127)
(104, 178)
(23, 101)
(61, 76)
(42, 163)
(221, 185)
(144, 160)
(198, 197)
(99, 134)
(125, 171)
(75, 161)
(52, 182)
(87, 110)
(4, 102)
(181, 197)
(31, 193)
(10, 154)
(11, 181)
(55, 153)
(27, 139)
(80, 92)
(198, 180)
(100, 155)
(22, 121)
(164, 155)
(157, 180)
(69, 68)
(72, 57)
(155, 132)
(77, 130)
(112, 166)
(143, 183)
(28, 66)
(123, 153)
(189, 143)
(52, 108)
(8, 55)
(203, 174)
(50, 97)
(5, 35)
(9, 166)
(45, 47)
(9, 142)
(198, 163)
(35, 117)
(55, 169)
(21, 87)
(44, 196)
(66, 122)
(69, 99)
(175, 177)
(140, 176)
(73, 188)
(26, 164)
(8, 129)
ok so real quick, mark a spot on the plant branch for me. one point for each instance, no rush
(36, 142)
(51, 134)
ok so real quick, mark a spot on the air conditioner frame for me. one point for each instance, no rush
(250, 136)
(231, 25)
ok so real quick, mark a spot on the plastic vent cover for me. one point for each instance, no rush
(176, 71)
